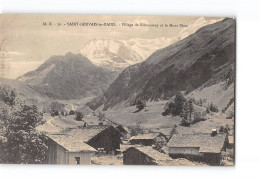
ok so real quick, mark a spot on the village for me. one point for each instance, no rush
(110, 143)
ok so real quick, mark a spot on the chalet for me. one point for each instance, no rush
(202, 147)
(77, 146)
(144, 155)
(99, 137)
(155, 138)
(63, 149)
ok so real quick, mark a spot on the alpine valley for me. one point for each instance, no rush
(108, 76)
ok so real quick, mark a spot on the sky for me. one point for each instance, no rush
(25, 42)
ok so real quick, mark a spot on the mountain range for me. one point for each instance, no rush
(116, 70)
(118, 54)
(200, 60)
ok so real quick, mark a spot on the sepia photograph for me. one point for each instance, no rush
(117, 90)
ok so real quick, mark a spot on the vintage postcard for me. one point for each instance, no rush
(117, 90)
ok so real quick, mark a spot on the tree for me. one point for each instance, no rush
(78, 116)
(175, 108)
(187, 112)
(20, 142)
(179, 102)
(184, 115)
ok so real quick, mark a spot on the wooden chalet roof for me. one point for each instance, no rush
(145, 136)
(161, 158)
(152, 153)
(205, 142)
(70, 143)
(86, 133)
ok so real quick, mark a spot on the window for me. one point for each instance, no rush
(77, 160)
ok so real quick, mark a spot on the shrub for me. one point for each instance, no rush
(213, 107)
(71, 112)
(78, 116)
(199, 116)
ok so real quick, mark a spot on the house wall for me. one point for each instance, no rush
(184, 151)
(134, 157)
(193, 153)
(62, 155)
(85, 157)
(56, 154)
(212, 158)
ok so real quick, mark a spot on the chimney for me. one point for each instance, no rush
(214, 132)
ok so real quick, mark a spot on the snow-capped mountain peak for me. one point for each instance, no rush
(111, 54)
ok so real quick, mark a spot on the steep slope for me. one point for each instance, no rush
(69, 77)
(25, 92)
(203, 58)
